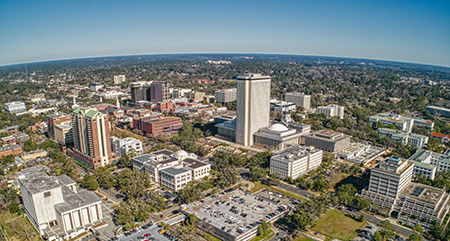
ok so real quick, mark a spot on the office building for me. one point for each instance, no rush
(391, 187)
(158, 125)
(404, 137)
(57, 119)
(300, 99)
(282, 106)
(37, 98)
(253, 108)
(404, 123)
(16, 107)
(92, 143)
(295, 161)
(159, 91)
(327, 140)
(225, 96)
(32, 155)
(95, 87)
(438, 111)
(170, 169)
(180, 93)
(139, 91)
(429, 163)
(360, 153)
(64, 135)
(277, 136)
(126, 145)
(227, 130)
(54, 205)
(331, 111)
(195, 96)
(119, 79)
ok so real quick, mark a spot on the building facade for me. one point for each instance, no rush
(16, 107)
(126, 145)
(253, 108)
(119, 79)
(159, 125)
(57, 119)
(278, 136)
(54, 205)
(300, 99)
(327, 140)
(331, 111)
(64, 135)
(295, 161)
(91, 135)
(225, 96)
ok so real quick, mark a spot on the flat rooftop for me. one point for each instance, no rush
(175, 171)
(423, 193)
(328, 135)
(236, 212)
(293, 153)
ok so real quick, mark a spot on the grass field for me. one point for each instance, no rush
(304, 238)
(336, 225)
(17, 227)
(211, 237)
(258, 186)
(268, 235)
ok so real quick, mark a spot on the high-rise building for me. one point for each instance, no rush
(92, 143)
(225, 96)
(159, 91)
(300, 99)
(253, 108)
(57, 119)
(119, 79)
(139, 91)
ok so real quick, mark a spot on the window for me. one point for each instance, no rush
(47, 194)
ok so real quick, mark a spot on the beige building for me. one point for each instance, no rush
(119, 79)
(327, 140)
(295, 161)
(278, 136)
(253, 106)
(39, 153)
(63, 134)
(195, 96)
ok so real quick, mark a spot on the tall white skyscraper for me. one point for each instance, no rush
(253, 106)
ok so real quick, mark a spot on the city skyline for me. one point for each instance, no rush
(413, 31)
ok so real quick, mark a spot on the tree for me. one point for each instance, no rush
(29, 145)
(362, 203)
(419, 228)
(387, 230)
(416, 237)
(377, 236)
(133, 182)
(104, 176)
(346, 193)
(264, 227)
(320, 184)
(190, 193)
(257, 173)
(89, 182)
(14, 207)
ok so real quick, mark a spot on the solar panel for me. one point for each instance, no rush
(417, 191)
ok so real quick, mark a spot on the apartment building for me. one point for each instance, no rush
(126, 145)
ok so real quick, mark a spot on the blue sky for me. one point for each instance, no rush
(407, 31)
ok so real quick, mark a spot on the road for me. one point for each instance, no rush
(398, 229)
(295, 189)
(153, 230)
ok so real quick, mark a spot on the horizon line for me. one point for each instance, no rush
(213, 53)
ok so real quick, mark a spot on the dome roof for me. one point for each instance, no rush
(278, 127)
(181, 153)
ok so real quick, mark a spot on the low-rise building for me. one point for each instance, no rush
(16, 107)
(295, 161)
(54, 205)
(360, 153)
(95, 87)
(170, 169)
(404, 137)
(225, 96)
(31, 155)
(444, 138)
(327, 140)
(300, 99)
(195, 96)
(282, 106)
(119, 79)
(10, 150)
(438, 111)
(276, 135)
(126, 145)
(8, 140)
(404, 123)
(331, 111)
(159, 125)
(429, 163)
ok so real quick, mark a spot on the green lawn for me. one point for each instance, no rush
(304, 238)
(336, 225)
(258, 186)
(17, 227)
(211, 237)
(268, 234)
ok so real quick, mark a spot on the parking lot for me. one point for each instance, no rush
(145, 233)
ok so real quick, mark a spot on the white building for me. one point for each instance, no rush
(282, 106)
(225, 96)
(331, 111)
(253, 108)
(119, 79)
(126, 145)
(404, 137)
(405, 123)
(300, 99)
(55, 207)
(169, 168)
(295, 161)
(360, 153)
(278, 136)
(111, 95)
(95, 87)
(15, 107)
(429, 163)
